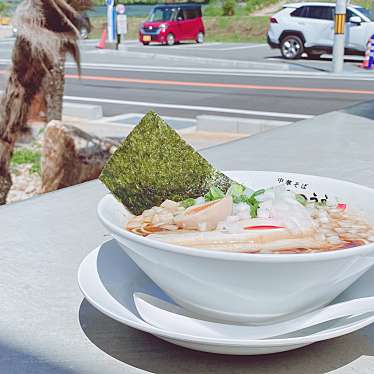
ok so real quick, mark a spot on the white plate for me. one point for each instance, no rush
(108, 279)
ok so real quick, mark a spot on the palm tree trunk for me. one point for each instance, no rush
(47, 30)
(23, 82)
(53, 88)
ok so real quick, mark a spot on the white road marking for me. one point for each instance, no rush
(131, 115)
(242, 47)
(178, 46)
(349, 58)
(207, 47)
(190, 107)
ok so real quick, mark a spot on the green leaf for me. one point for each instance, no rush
(214, 193)
(187, 202)
(154, 164)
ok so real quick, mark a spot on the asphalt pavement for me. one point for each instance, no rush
(188, 79)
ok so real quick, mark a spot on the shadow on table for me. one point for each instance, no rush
(13, 360)
(147, 352)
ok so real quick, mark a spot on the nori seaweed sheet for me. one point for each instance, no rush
(154, 164)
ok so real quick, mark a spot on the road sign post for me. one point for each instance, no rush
(121, 23)
(339, 37)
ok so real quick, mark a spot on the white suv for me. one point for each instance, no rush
(309, 27)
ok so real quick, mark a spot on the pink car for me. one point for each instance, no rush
(173, 23)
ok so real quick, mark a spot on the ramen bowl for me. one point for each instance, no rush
(243, 287)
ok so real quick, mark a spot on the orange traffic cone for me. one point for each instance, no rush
(102, 41)
(368, 59)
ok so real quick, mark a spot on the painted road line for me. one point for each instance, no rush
(177, 46)
(256, 87)
(131, 115)
(189, 107)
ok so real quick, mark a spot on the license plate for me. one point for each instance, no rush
(146, 38)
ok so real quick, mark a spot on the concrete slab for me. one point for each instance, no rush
(87, 111)
(132, 119)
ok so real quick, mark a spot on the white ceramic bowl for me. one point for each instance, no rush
(250, 288)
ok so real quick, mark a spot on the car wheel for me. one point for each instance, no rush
(200, 38)
(170, 40)
(291, 47)
(145, 43)
(83, 33)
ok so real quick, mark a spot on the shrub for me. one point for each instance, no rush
(228, 7)
(213, 11)
(3, 8)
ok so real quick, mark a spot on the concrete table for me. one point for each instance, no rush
(47, 327)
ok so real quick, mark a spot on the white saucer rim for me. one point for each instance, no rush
(308, 339)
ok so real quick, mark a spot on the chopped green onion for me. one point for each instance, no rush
(258, 192)
(301, 199)
(214, 194)
(235, 189)
(187, 203)
(253, 209)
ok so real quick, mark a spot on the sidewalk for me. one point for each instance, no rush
(198, 139)
(5, 31)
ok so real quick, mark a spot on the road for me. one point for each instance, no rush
(137, 79)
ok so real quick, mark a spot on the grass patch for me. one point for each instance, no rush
(27, 156)
(217, 7)
(218, 28)
(98, 25)
(236, 28)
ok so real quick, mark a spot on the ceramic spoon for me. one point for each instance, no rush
(173, 318)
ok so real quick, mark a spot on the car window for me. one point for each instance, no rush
(180, 15)
(190, 13)
(300, 12)
(366, 12)
(162, 14)
(321, 12)
(349, 15)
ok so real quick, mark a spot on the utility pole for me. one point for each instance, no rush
(111, 25)
(339, 37)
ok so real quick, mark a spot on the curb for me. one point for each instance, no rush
(236, 124)
(205, 60)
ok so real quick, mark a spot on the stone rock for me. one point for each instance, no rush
(71, 156)
(25, 183)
